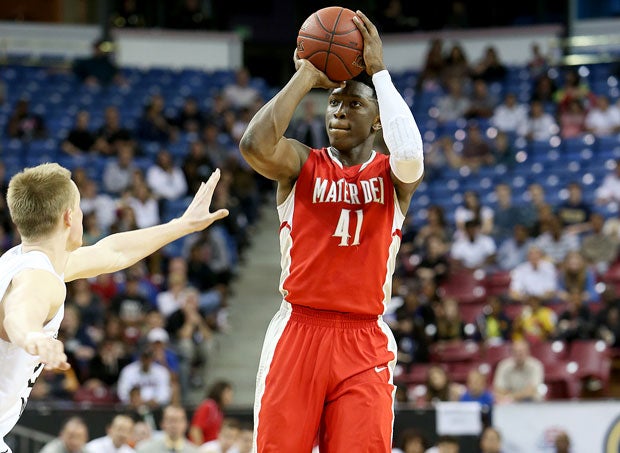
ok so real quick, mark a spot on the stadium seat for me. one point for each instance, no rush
(561, 381)
(550, 352)
(593, 358)
(497, 283)
(492, 354)
(454, 351)
(463, 286)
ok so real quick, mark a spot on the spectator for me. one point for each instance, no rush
(446, 444)
(394, 20)
(477, 391)
(173, 425)
(490, 440)
(599, 249)
(226, 438)
(154, 126)
(197, 165)
(142, 432)
(130, 306)
(436, 226)
(127, 15)
(455, 66)
(309, 128)
(481, 102)
(79, 345)
(430, 77)
(434, 263)
(111, 133)
(245, 440)
(556, 242)
(118, 173)
(191, 337)
(575, 277)
(536, 277)
(574, 212)
(476, 150)
(573, 89)
(540, 126)
(506, 214)
(407, 324)
(80, 139)
(503, 152)
(574, 323)
(88, 304)
(544, 89)
(165, 179)
(489, 69)
(473, 250)
(190, 15)
(608, 323)
(215, 145)
(472, 209)
(603, 119)
(609, 191)
(518, 378)
(562, 443)
(209, 416)
(437, 156)
(536, 323)
(537, 64)
(411, 441)
(535, 196)
(104, 368)
(241, 94)
(143, 204)
(510, 116)
(118, 434)
(190, 118)
(101, 206)
(171, 300)
(450, 326)
(438, 386)
(158, 341)
(24, 124)
(151, 380)
(572, 120)
(493, 325)
(72, 438)
(98, 69)
(453, 105)
(513, 251)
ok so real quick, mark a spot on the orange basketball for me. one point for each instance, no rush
(330, 40)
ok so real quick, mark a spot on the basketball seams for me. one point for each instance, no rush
(316, 38)
(331, 41)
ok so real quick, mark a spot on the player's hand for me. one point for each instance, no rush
(320, 80)
(373, 47)
(51, 352)
(197, 216)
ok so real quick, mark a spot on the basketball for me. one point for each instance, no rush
(330, 40)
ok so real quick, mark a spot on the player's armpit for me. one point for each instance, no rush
(33, 298)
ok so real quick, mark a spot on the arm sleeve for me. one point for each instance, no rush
(400, 131)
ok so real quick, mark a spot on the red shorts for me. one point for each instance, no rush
(325, 374)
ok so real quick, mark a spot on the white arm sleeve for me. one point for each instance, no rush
(400, 131)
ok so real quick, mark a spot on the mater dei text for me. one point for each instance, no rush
(365, 191)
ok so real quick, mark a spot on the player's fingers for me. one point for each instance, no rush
(219, 214)
(369, 25)
(64, 366)
(361, 26)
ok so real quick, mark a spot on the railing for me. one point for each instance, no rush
(27, 440)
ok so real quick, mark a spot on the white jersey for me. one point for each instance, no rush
(20, 369)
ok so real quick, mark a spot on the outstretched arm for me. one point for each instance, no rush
(263, 144)
(121, 250)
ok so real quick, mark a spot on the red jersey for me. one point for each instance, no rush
(208, 417)
(340, 230)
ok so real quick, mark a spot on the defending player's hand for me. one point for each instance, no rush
(197, 215)
(319, 77)
(373, 47)
(51, 352)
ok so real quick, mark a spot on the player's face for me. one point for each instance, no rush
(351, 113)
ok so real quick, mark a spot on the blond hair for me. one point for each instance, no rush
(37, 197)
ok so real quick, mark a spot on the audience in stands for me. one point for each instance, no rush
(98, 69)
(165, 179)
(454, 104)
(145, 382)
(174, 426)
(562, 442)
(490, 441)
(473, 249)
(576, 278)
(472, 209)
(241, 94)
(519, 377)
(509, 116)
(539, 126)
(599, 248)
(80, 139)
(72, 438)
(493, 326)
(119, 434)
(535, 277)
(411, 440)
(536, 323)
(609, 190)
(603, 119)
(439, 387)
(209, 415)
(226, 440)
(445, 444)
(24, 124)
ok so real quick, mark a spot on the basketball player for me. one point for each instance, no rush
(45, 206)
(328, 357)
